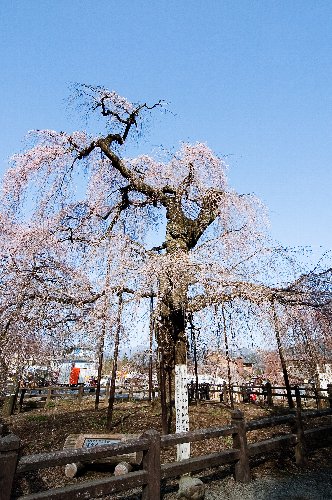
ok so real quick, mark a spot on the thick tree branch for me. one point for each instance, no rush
(259, 294)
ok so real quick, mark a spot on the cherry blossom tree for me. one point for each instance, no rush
(211, 243)
(43, 300)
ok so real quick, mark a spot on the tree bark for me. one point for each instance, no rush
(282, 357)
(162, 386)
(230, 388)
(173, 351)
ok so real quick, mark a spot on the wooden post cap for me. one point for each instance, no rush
(237, 414)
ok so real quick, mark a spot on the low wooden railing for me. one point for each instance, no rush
(274, 395)
(45, 395)
(152, 472)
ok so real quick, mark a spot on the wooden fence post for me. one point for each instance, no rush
(242, 468)
(9, 448)
(80, 393)
(316, 394)
(269, 395)
(20, 404)
(329, 394)
(9, 405)
(297, 396)
(300, 447)
(151, 463)
(49, 395)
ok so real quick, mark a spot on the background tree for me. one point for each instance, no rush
(44, 302)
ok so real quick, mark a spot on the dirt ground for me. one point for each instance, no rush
(43, 430)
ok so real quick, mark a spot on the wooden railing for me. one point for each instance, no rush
(152, 471)
(45, 395)
(274, 395)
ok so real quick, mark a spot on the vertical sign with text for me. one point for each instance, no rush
(181, 409)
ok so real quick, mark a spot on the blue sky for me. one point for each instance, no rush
(251, 78)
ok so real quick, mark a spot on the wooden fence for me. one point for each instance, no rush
(41, 396)
(27, 398)
(272, 395)
(152, 472)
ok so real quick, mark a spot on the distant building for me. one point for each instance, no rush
(215, 369)
(88, 370)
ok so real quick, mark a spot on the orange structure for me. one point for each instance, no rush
(74, 376)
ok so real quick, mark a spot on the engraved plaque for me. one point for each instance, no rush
(91, 440)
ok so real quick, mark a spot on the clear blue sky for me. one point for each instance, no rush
(252, 78)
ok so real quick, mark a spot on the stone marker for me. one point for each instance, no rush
(73, 469)
(75, 441)
(122, 468)
(191, 488)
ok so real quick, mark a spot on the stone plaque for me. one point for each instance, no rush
(74, 441)
(91, 442)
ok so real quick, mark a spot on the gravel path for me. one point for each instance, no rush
(313, 485)
(273, 480)
(308, 485)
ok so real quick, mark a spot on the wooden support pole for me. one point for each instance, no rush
(49, 395)
(151, 463)
(300, 447)
(9, 448)
(20, 404)
(242, 468)
(80, 393)
(297, 396)
(269, 396)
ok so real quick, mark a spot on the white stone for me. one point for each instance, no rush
(73, 469)
(191, 488)
(122, 468)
